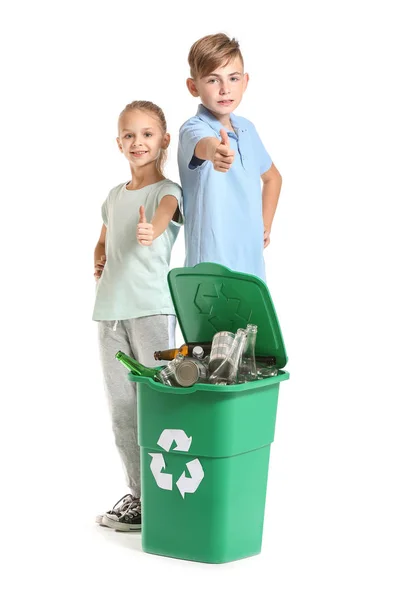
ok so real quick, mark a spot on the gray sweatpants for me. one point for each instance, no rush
(139, 338)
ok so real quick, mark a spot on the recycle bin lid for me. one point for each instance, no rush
(209, 298)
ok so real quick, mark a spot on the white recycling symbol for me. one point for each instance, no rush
(186, 485)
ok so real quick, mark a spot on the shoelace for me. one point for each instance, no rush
(134, 508)
(123, 503)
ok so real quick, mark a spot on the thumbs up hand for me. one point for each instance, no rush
(224, 156)
(144, 230)
(224, 137)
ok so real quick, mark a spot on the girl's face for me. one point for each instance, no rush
(140, 137)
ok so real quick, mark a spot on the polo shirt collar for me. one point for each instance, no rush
(208, 117)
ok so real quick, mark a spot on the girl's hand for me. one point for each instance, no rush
(144, 230)
(266, 238)
(99, 266)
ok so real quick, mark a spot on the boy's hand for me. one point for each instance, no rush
(99, 266)
(266, 238)
(224, 156)
(145, 230)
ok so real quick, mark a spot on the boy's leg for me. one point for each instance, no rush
(121, 394)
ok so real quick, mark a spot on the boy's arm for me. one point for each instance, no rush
(206, 147)
(100, 253)
(216, 151)
(148, 232)
(272, 182)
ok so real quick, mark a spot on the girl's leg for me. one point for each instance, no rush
(148, 334)
(121, 395)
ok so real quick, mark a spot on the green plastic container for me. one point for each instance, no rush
(205, 449)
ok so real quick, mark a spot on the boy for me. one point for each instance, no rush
(221, 159)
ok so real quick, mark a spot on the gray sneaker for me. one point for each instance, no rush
(129, 519)
(117, 509)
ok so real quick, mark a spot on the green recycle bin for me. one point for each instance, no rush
(205, 449)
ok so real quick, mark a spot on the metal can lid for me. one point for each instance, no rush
(187, 373)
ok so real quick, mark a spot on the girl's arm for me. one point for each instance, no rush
(100, 253)
(166, 211)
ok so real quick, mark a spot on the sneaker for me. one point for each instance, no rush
(129, 519)
(119, 507)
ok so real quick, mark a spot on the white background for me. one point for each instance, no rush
(323, 94)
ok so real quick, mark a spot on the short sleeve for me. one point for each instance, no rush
(190, 134)
(172, 189)
(104, 211)
(107, 204)
(264, 159)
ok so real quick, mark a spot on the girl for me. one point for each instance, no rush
(133, 306)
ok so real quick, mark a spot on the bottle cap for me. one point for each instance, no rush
(197, 352)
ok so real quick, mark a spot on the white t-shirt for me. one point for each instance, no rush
(134, 280)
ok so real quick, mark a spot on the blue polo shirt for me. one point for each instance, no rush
(223, 211)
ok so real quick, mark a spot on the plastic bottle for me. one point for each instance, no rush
(227, 372)
(264, 371)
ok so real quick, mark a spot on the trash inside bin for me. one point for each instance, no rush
(205, 449)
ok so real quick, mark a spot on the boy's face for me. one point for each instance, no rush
(221, 91)
(140, 137)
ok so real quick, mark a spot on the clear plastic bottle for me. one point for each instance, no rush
(227, 372)
(220, 352)
(264, 371)
(247, 366)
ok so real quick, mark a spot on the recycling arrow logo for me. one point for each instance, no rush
(185, 485)
(226, 307)
(164, 480)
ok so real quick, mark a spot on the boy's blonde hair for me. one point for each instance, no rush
(211, 52)
(146, 106)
